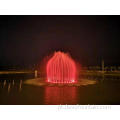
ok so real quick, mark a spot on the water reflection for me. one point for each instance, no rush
(20, 85)
(10, 85)
(89, 90)
(60, 95)
(4, 83)
(13, 82)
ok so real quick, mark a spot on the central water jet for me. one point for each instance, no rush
(61, 68)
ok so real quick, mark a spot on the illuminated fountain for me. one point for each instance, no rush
(61, 68)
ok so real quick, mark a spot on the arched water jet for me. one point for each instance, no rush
(61, 68)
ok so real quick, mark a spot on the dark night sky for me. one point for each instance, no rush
(28, 39)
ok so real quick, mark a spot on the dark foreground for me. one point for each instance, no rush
(13, 91)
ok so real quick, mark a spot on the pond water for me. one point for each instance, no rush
(13, 91)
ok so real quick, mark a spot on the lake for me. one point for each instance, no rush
(13, 91)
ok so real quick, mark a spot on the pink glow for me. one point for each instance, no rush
(61, 68)
(61, 95)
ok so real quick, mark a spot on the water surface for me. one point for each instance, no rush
(13, 91)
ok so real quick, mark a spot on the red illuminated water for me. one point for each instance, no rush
(61, 68)
(61, 95)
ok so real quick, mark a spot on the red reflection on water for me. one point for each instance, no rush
(60, 95)
(61, 68)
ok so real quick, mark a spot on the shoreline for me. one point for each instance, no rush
(91, 73)
(15, 72)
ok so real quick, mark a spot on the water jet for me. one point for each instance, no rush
(61, 68)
